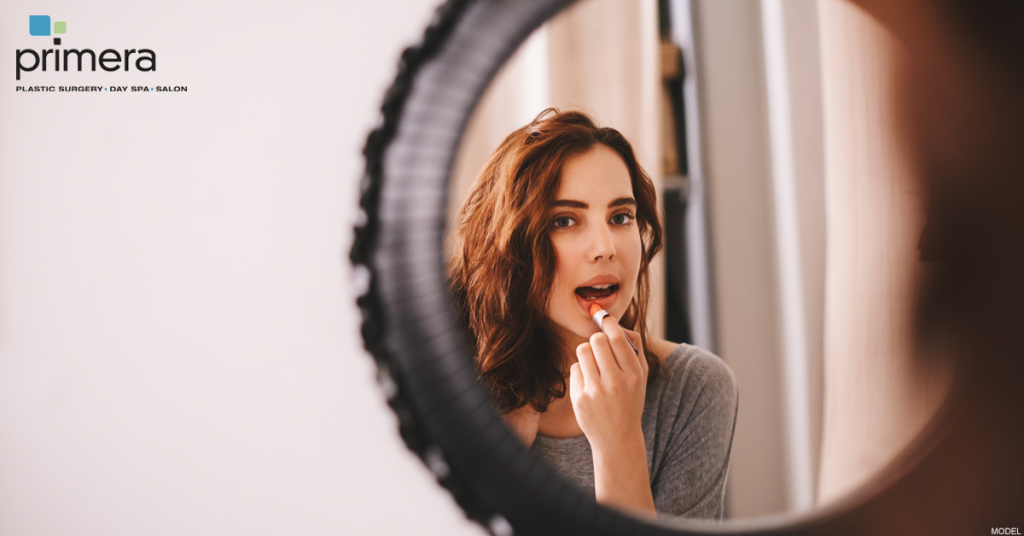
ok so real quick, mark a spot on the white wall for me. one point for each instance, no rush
(179, 349)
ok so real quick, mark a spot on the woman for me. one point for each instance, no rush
(560, 218)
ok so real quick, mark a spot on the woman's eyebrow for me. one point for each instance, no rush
(570, 203)
(580, 204)
(622, 201)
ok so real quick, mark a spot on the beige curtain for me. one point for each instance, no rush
(876, 399)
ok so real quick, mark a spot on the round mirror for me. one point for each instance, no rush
(716, 100)
(734, 277)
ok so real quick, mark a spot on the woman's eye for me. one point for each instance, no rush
(562, 222)
(623, 218)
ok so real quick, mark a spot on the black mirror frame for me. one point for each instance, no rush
(426, 371)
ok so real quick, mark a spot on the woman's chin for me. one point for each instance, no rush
(585, 331)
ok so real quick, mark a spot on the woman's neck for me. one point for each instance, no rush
(559, 421)
(567, 342)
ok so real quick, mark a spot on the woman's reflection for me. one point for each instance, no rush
(562, 217)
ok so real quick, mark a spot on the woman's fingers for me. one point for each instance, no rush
(576, 381)
(635, 337)
(588, 364)
(603, 353)
(608, 402)
(624, 354)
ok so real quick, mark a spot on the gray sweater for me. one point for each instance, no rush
(688, 423)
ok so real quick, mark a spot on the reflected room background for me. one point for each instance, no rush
(766, 127)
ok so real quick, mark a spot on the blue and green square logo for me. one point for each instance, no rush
(40, 25)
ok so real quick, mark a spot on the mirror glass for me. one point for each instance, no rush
(750, 118)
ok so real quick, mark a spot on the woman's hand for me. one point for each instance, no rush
(524, 422)
(607, 387)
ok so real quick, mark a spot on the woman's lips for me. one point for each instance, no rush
(606, 302)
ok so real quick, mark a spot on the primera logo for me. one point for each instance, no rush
(109, 59)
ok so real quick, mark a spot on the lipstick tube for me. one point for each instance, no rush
(598, 315)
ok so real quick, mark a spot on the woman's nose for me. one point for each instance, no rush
(601, 243)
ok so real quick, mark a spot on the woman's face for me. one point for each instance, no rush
(592, 224)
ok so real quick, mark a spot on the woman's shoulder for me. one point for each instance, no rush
(662, 348)
(696, 386)
(688, 363)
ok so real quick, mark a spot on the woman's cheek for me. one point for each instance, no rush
(636, 250)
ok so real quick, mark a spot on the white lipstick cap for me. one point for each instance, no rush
(598, 317)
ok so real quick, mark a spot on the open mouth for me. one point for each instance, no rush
(596, 292)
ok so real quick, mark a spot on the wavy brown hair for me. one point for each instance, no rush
(502, 262)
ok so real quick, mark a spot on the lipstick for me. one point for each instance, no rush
(598, 314)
